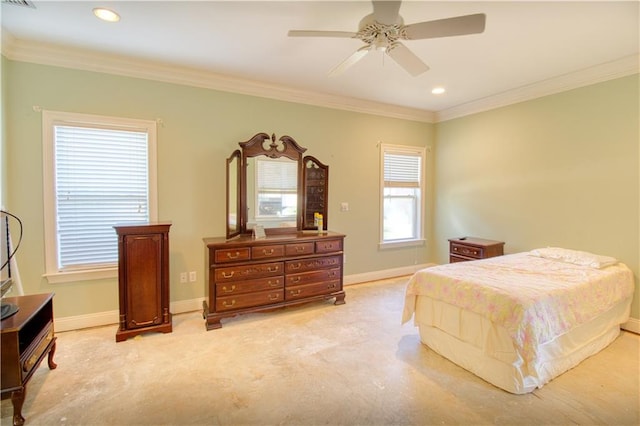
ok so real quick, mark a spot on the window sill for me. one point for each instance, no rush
(400, 244)
(84, 275)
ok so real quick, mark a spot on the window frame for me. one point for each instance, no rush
(55, 118)
(420, 219)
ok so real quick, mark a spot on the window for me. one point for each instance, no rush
(277, 188)
(98, 171)
(402, 183)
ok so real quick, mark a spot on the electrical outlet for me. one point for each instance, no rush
(183, 277)
(192, 276)
(344, 206)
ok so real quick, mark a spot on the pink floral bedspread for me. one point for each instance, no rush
(533, 298)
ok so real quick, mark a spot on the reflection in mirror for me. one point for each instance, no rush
(272, 192)
(315, 192)
(233, 194)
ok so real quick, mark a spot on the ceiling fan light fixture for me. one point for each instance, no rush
(106, 14)
(439, 90)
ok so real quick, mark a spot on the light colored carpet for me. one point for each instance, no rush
(313, 364)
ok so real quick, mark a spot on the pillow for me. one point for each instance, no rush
(575, 257)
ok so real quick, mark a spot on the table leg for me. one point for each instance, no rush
(17, 399)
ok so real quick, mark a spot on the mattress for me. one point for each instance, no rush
(518, 321)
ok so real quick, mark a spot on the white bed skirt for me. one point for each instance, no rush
(485, 349)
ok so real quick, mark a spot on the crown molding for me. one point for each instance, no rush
(56, 55)
(622, 67)
(66, 57)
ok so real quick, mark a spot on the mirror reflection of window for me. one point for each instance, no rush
(276, 188)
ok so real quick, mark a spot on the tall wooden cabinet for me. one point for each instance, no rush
(143, 279)
(250, 275)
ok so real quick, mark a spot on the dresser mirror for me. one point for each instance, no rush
(233, 193)
(270, 183)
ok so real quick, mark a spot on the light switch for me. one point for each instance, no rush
(344, 207)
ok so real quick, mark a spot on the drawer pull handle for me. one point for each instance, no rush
(224, 274)
(274, 283)
(299, 249)
(228, 305)
(229, 290)
(267, 253)
(272, 268)
(295, 265)
(233, 256)
(273, 297)
(295, 292)
(296, 279)
(330, 286)
(332, 274)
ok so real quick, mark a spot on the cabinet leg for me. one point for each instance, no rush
(17, 399)
(52, 351)
(340, 299)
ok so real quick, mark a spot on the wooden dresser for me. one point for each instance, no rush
(27, 337)
(249, 275)
(143, 279)
(470, 248)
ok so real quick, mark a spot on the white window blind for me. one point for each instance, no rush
(98, 171)
(101, 179)
(402, 169)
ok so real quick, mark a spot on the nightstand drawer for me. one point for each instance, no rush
(465, 250)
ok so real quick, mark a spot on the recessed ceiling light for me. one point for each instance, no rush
(438, 90)
(106, 14)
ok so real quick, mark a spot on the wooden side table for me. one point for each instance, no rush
(27, 337)
(471, 248)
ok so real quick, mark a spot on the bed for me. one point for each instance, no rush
(519, 320)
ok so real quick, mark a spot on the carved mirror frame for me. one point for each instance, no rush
(312, 185)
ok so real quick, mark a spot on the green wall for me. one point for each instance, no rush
(200, 128)
(561, 170)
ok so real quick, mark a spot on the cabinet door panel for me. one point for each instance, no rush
(143, 271)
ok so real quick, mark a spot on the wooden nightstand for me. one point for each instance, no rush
(470, 248)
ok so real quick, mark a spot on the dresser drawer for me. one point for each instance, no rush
(247, 272)
(229, 303)
(302, 291)
(298, 249)
(328, 246)
(232, 255)
(312, 277)
(265, 252)
(232, 288)
(36, 350)
(465, 250)
(303, 265)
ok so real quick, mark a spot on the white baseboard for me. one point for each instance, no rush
(111, 317)
(633, 325)
(381, 275)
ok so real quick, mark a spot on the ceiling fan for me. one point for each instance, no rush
(383, 29)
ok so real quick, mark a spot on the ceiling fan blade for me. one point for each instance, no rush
(460, 25)
(386, 12)
(305, 33)
(350, 61)
(407, 59)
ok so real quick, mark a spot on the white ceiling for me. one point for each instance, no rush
(524, 44)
